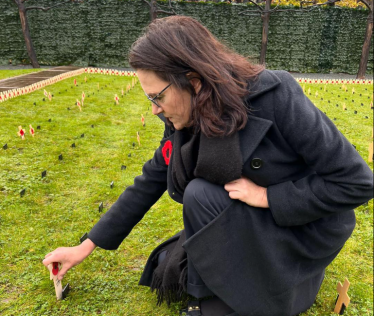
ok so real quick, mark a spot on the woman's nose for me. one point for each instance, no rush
(155, 109)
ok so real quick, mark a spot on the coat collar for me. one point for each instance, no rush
(256, 128)
(266, 80)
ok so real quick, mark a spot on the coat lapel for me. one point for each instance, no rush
(251, 136)
(256, 128)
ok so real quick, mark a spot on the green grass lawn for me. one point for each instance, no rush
(58, 209)
(4, 74)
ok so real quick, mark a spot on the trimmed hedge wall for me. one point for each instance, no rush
(100, 33)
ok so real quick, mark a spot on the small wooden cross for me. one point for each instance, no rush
(343, 298)
(61, 293)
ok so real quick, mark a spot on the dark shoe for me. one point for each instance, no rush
(193, 309)
(211, 307)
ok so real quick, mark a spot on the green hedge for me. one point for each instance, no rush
(100, 32)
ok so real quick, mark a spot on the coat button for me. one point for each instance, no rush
(256, 163)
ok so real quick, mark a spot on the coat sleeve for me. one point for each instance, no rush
(133, 203)
(341, 179)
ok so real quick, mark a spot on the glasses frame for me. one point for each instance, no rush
(153, 100)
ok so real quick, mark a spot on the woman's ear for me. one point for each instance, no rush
(195, 81)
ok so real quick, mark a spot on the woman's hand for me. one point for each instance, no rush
(69, 256)
(248, 192)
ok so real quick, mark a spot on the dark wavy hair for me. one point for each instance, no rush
(174, 46)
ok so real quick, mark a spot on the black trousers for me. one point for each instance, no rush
(202, 202)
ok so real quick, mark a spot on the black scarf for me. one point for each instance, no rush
(217, 160)
(169, 279)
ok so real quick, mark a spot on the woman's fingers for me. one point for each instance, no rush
(48, 255)
(63, 271)
(235, 195)
(54, 256)
(248, 192)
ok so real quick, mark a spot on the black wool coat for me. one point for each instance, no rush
(257, 260)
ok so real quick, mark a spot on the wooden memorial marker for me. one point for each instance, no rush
(138, 137)
(143, 120)
(53, 272)
(21, 132)
(32, 131)
(101, 206)
(79, 105)
(343, 298)
(116, 99)
(370, 158)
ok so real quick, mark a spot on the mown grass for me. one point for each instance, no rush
(4, 74)
(56, 210)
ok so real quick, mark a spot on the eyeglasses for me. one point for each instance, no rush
(153, 100)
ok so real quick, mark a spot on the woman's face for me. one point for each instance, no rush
(175, 104)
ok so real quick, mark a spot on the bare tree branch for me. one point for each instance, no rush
(169, 7)
(367, 4)
(147, 2)
(321, 4)
(276, 9)
(257, 5)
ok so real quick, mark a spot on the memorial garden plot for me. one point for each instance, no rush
(70, 148)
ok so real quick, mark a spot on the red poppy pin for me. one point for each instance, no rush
(166, 151)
